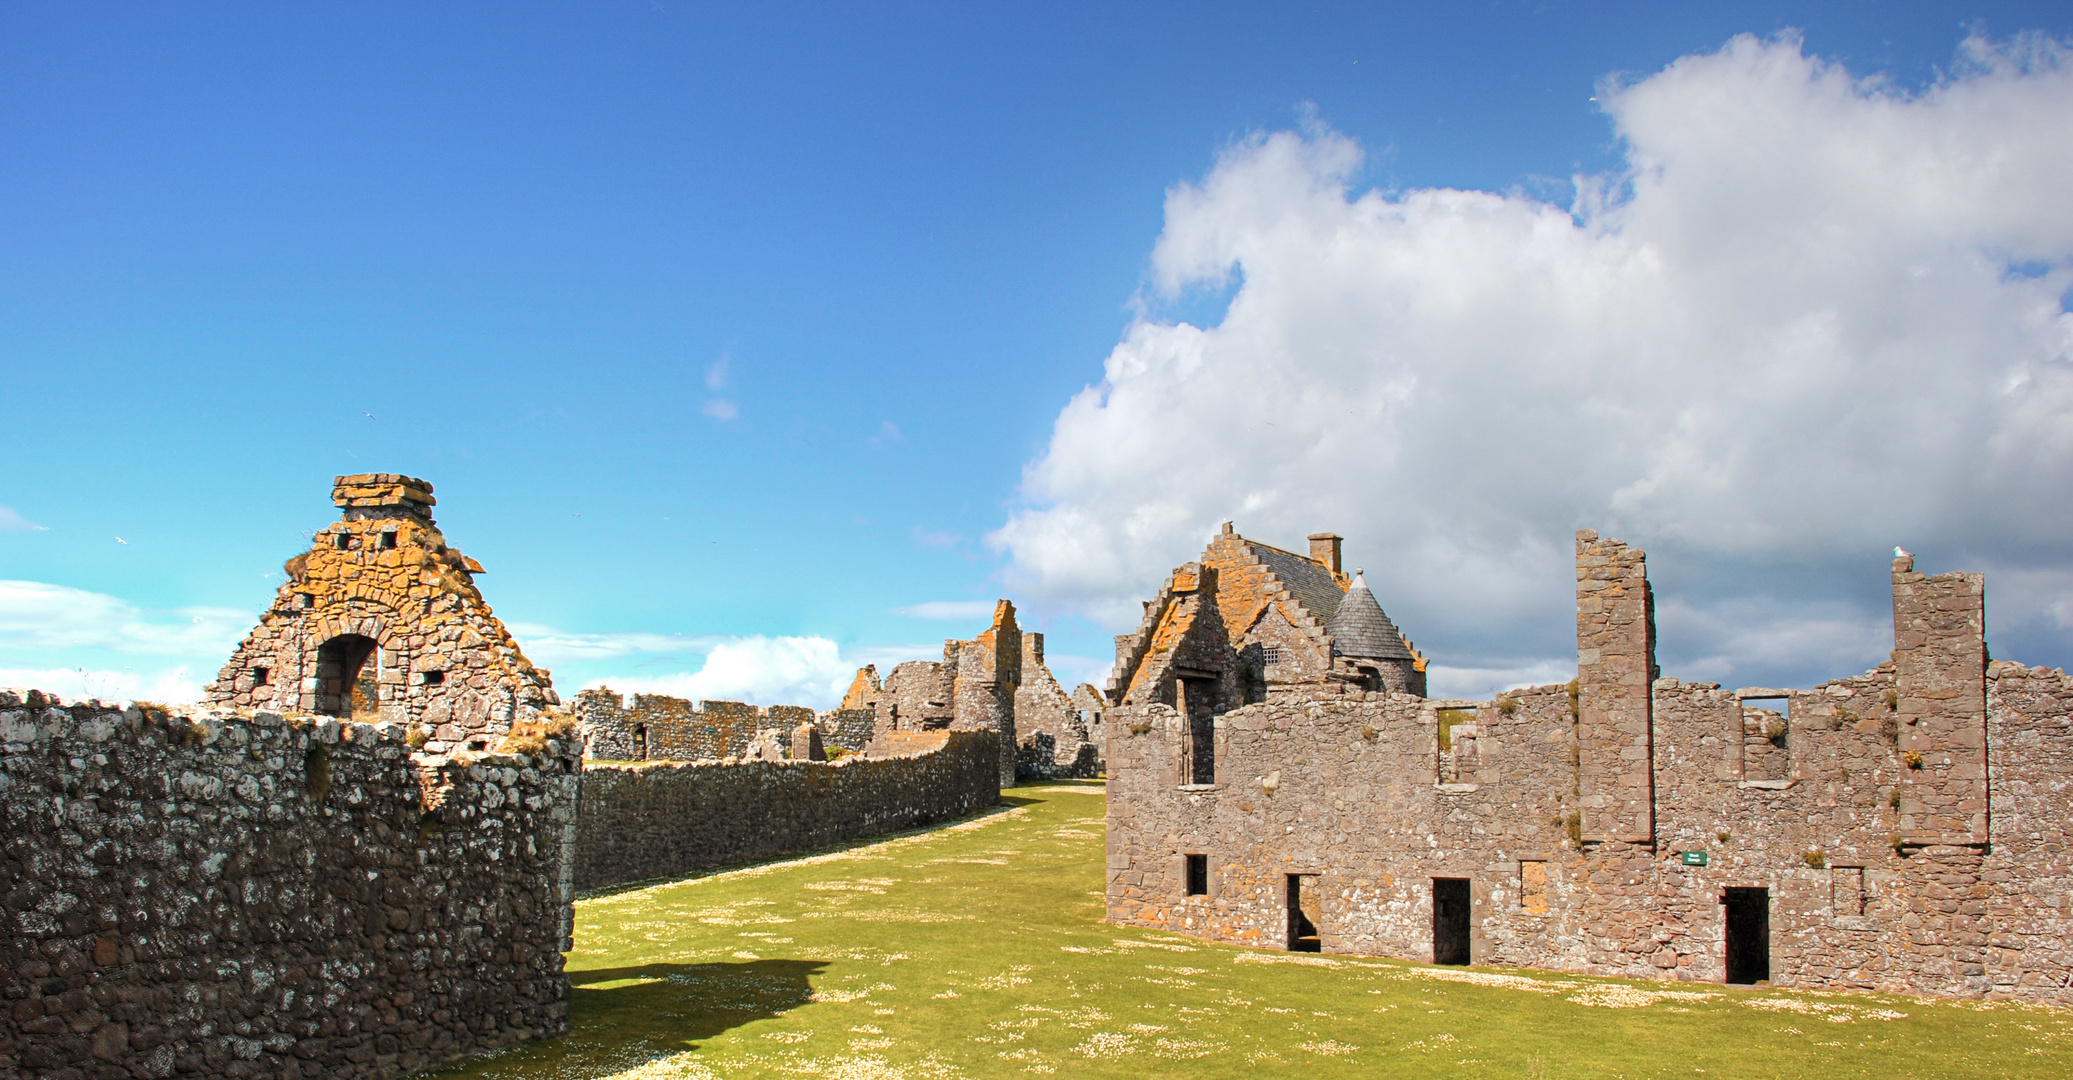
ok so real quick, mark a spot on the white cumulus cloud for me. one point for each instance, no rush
(1816, 316)
(35, 616)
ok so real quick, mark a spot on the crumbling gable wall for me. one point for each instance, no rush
(972, 689)
(1054, 737)
(381, 621)
(1591, 842)
(203, 892)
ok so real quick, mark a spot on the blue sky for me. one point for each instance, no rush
(720, 325)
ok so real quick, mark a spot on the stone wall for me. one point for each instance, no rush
(381, 620)
(204, 893)
(640, 822)
(657, 727)
(1814, 796)
(1053, 736)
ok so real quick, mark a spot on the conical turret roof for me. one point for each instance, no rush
(1360, 629)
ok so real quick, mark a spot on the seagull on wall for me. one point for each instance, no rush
(1902, 553)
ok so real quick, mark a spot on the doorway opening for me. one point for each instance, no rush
(1450, 920)
(1748, 934)
(1198, 706)
(1305, 912)
(640, 742)
(347, 667)
(1198, 875)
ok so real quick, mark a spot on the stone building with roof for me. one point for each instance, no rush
(380, 620)
(1903, 830)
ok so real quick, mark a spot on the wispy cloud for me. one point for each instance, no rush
(176, 685)
(716, 375)
(43, 617)
(950, 609)
(721, 409)
(11, 520)
(888, 435)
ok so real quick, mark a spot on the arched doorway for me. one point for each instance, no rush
(347, 670)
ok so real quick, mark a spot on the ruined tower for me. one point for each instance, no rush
(381, 620)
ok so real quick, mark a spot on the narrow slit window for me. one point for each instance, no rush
(1198, 875)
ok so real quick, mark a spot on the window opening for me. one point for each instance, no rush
(1305, 913)
(640, 742)
(388, 541)
(1533, 886)
(260, 676)
(1450, 920)
(1198, 875)
(347, 685)
(434, 678)
(1766, 737)
(1271, 654)
(1748, 934)
(1198, 710)
(1848, 882)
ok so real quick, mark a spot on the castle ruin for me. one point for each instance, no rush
(1901, 830)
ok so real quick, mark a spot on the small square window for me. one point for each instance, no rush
(388, 541)
(1198, 875)
(339, 541)
(434, 678)
(260, 676)
(1271, 654)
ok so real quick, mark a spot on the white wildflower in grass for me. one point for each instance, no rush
(1332, 1048)
(1107, 1044)
(1617, 996)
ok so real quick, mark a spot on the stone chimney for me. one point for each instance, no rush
(1324, 548)
(382, 495)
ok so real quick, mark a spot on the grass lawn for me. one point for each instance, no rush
(977, 950)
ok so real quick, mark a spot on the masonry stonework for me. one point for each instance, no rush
(207, 892)
(652, 821)
(1901, 830)
(1056, 737)
(381, 621)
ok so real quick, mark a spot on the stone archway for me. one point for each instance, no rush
(348, 674)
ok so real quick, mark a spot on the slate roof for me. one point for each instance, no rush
(1359, 627)
(1310, 583)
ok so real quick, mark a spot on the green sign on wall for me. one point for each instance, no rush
(1694, 858)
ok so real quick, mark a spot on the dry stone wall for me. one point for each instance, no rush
(1371, 806)
(641, 822)
(208, 893)
(657, 727)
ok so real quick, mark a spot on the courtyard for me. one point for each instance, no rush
(978, 950)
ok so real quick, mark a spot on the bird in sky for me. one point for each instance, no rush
(369, 415)
(121, 541)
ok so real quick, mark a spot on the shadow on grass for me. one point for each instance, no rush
(678, 1005)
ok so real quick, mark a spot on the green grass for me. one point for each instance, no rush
(977, 950)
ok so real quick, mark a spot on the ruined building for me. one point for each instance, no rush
(1058, 737)
(380, 620)
(1903, 830)
(359, 857)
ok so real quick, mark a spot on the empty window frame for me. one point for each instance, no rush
(388, 541)
(260, 676)
(1196, 874)
(1766, 738)
(1848, 883)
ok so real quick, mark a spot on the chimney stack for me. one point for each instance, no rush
(1324, 548)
